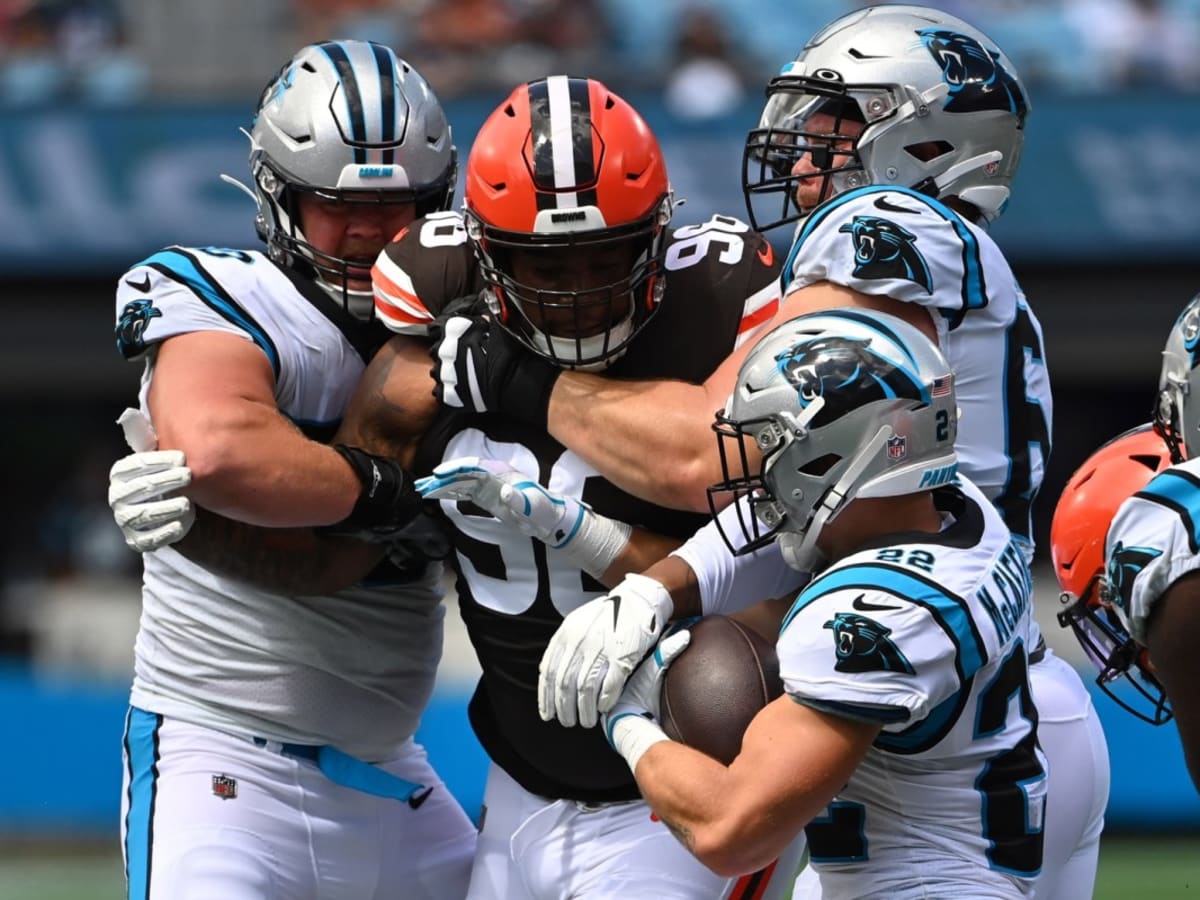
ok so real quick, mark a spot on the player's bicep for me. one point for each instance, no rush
(824, 295)
(206, 386)
(393, 404)
(1171, 639)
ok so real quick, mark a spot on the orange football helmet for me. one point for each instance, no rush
(1115, 472)
(566, 203)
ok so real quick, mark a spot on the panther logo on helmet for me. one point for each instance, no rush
(1124, 566)
(863, 645)
(977, 78)
(846, 374)
(131, 327)
(882, 249)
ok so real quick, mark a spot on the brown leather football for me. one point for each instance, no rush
(717, 685)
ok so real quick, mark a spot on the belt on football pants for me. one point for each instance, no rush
(349, 771)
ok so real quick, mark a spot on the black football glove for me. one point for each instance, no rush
(387, 501)
(481, 368)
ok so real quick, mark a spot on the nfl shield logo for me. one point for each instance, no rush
(897, 447)
(224, 787)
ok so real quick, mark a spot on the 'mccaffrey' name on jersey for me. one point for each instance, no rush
(1007, 594)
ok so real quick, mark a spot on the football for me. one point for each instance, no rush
(717, 685)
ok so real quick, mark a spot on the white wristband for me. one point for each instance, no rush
(632, 735)
(597, 543)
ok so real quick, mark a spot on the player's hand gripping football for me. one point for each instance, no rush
(596, 648)
(633, 724)
(138, 485)
(479, 367)
(588, 540)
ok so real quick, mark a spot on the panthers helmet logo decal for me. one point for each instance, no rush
(882, 249)
(863, 645)
(1125, 564)
(846, 374)
(131, 327)
(977, 78)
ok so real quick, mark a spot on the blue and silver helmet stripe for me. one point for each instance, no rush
(372, 104)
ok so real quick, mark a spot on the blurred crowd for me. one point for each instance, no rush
(703, 54)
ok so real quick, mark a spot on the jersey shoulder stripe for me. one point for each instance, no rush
(1179, 491)
(947, 609)
(183, 267)
(974, 287)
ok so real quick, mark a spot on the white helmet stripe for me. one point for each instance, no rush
(562, 140)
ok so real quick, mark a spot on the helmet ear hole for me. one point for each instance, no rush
(927, 151)
(821, 464)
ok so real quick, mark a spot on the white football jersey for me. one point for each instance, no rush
(353, 670)
(929, 639)
(895, 242)
(1153, 540)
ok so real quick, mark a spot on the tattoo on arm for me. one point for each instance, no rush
(392, 406)
(283, 560)
(682, 834)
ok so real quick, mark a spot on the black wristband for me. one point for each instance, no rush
(387, 500)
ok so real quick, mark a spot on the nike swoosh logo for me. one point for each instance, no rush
(416, 800)
(143, 286)
(882, 203)
(766, 253)
(864, 606)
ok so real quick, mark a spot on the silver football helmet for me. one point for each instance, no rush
(940, 108)
(350, 122)
(1177, 412)
(837, 405)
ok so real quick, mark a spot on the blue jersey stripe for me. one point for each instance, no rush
(141, 750)
(1178, 491)
(974, 290)
(925, 734)
(948, 610)
(183, 267)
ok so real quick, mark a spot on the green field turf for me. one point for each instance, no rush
(1130, 869)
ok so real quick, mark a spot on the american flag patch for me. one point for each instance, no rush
(941, 386)
(224, 787)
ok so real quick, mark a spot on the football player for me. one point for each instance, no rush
(1125, 548)
(269, 745)
(566, 232)
(906, 742)
(891, 142)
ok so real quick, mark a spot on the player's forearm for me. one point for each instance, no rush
(290, 561)
(695, 797)
(256, 467)
(644, 549)
(650, 438)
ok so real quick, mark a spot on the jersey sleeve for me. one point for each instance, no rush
(867, 654)
(1154, 540)
(175, 292)
(428, 264)
(727, 582)
(893, 242)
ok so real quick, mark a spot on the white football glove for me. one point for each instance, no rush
(136, 487)
(597, 646)
(632, 727)
(589, 540)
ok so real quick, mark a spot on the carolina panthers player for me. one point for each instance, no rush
(1145, 598)
(268, 747)
(906, 742)
(566, 229)
(891, 141)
